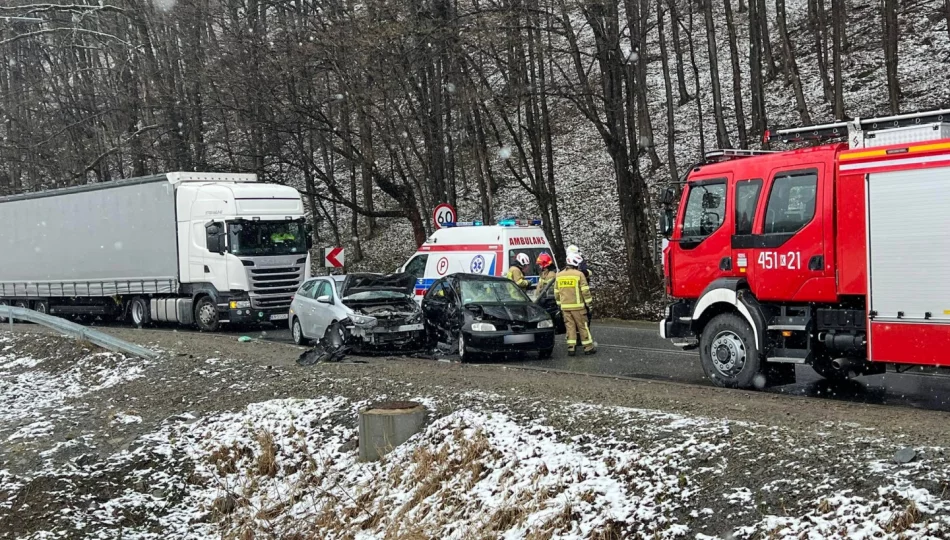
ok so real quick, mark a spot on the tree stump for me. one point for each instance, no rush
(384, 426)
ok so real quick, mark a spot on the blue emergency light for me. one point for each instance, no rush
(515, 222)
(461, 224)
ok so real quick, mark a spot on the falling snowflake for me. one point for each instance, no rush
(164, 5)
(504, 152)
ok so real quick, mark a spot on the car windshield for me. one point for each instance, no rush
(374, 295)
(267, 238)
(492, 292)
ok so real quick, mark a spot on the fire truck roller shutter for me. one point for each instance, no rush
(728, 291)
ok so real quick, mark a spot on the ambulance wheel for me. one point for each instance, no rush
(729, 353)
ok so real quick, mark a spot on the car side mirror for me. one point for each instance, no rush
(325, 299)
(666, 222)
(214, 237)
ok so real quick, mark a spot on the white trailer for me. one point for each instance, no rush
(191, 248)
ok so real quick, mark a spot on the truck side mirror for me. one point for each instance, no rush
(309, 228)
(666, 222)
(668, 196)
(214, 237)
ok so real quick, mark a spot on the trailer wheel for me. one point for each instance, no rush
(206, 315)
(729, 353)
(41, 306)
(140, 312)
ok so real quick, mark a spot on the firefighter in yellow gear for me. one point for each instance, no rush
(572, 294)
(516, 272)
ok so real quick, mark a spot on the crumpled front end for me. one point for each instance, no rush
(394, 324)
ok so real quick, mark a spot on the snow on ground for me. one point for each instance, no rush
(34, 396)
(288, 468)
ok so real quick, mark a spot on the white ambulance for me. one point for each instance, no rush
(473, 248)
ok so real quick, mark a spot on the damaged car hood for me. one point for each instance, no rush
(359, 283)
(525, 313)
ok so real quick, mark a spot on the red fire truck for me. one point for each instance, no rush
(837, 255)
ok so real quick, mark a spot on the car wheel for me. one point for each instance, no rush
(22, 304)
(297, 331)
(544, 354)
(465, 355)
(729, 353)
(206, 315)
(4, 303)
(140, 312)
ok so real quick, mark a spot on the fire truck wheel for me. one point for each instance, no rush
(729, 353)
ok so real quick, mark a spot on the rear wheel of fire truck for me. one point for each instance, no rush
(728, 352)
(206, 315)
(297, 332)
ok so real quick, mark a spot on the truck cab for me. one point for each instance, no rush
(814, 256)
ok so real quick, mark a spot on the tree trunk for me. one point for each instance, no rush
(819, 26)
(771, 70)
(891, 39)
(722, 135)
(699, 100)
(670, 116)
(678, 51)
(791, 66)
(736, 76)
(757, 83)
(637, 21)
(837, 26)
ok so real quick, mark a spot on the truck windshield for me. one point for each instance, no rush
(267, 238)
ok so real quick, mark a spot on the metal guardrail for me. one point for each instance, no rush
(76, 331)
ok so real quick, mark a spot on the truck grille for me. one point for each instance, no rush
(273, 288)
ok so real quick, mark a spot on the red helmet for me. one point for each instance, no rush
(545, 260)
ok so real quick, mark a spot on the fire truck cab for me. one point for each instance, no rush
(835, 256)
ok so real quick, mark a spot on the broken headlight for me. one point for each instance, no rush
(363, 320)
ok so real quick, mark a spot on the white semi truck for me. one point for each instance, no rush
(192, 248)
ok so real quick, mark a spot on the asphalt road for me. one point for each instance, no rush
(635, 350)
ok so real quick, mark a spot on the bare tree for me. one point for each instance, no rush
(671, 139)
(838, 31)
(791, 65)
(678, 51)
(722, 135)
(891, 38)
(736, 76)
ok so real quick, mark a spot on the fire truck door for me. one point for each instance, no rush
(746, 196)
(788, 249)
(700, 246)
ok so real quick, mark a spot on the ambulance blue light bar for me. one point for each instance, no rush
(515, 222)
(461, 224)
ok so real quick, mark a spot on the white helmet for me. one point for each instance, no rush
(574, 259)
(571, 249)
(523, 259)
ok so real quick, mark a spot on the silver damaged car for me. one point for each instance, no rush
(366, 311)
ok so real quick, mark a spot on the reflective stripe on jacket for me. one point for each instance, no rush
(571, 290)
(515, 274)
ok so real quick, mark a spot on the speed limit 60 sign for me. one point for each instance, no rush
(444, 213)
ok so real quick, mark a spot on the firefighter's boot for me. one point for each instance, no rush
(571, 351)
